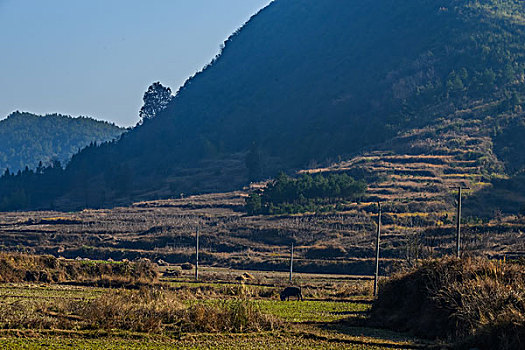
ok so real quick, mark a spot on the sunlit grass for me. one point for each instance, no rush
(312, 311)
(203, 341)
(36, 291)
(300, 323)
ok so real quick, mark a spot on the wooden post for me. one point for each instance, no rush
(458, 221)
(197, 254)
(291, 264)
(458, 225)
(376, 276)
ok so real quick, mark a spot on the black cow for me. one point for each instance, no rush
(290, 292)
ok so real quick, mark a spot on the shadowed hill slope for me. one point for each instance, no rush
(306, 82)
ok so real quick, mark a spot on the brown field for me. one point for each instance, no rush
(335, 242)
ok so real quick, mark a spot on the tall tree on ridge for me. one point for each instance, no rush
(155, 100)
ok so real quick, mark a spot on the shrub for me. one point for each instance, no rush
(355, 289)
(469, 301)
(228, 316)
(187, 266)
(48, 269)
(325, 252)
(148, 310)
(175, 271)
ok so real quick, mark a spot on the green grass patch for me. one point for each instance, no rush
(13, 291)
(312, 311)
(278, 340)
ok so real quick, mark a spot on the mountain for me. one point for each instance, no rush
(306, 83)
(27, 139)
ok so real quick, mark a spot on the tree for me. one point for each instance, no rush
(253, 162)
(253, 204)
(522, 211)
(155, 100)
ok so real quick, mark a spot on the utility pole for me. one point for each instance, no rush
(291, 263)
(196, 254)
(376, 276)
(458, 222)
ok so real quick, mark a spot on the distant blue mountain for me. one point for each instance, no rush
(27, 139)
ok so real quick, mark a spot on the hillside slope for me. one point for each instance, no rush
(308, 82)
(27, 139)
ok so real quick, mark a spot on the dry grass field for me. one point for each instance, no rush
(334, 242)
(241, 309)
(177, 312)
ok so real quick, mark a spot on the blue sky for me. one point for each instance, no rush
(97, 57)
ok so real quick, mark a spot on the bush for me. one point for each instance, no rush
(173, 272)
(522, 211)
(355, 289)
(476, 302)
(148, 310)
(228, 316)
(325, 252)
(187, 266)
(48, 269)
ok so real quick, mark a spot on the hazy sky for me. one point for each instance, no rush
(97, 57)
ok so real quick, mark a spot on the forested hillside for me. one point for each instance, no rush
(27, 139)
(308, 82)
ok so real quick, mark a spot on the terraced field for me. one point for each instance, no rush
(415, 180)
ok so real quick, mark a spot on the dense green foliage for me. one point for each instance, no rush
(28, 187)
(27, 139)
(307, 81)
(306, 193)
